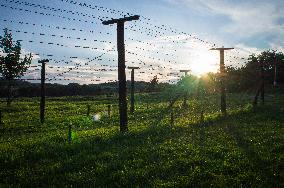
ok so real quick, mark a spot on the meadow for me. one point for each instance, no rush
(244, 149)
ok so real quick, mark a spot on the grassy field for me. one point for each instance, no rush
(244, 149)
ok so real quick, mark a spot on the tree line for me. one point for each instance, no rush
(27, 89)
(269, 64)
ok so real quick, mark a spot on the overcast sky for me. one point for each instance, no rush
(84, 51)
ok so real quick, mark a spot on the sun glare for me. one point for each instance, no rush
(204, 62)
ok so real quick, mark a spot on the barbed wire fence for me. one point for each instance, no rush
(150, 46)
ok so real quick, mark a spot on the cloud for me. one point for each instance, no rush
(170, 57)
(185, 53)
(25, 52)
(279, 48)
(246, 19)
(191, 54)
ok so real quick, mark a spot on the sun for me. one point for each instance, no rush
(204, 62)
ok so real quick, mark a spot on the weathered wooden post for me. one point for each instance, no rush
(260, 87)
(121, 68)
(222, 78)
(185, 94)
(132, 99)
(262, 82)
(255, 101)
(69, 133)
(42, 91)
(88, 109)
(109, 110)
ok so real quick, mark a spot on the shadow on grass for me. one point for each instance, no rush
(151, 156)
(104, 158)
(267, 168)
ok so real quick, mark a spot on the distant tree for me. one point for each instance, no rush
(153, 83)
(74, 89)
(269, 60)
(235, 79)
(201, 87)
(210, 82)
(248, 76)
(279, 66)
(99, 90)
(187, 86)
(11, 64)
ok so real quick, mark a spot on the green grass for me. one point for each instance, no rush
(244, 149)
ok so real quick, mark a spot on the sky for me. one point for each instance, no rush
(170, 36)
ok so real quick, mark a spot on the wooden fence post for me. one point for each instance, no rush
(222, 79)
(121, 69)
(262, 83)
(88, 109)
(185, 97)
(69, 133)
(260, 89)
(132, 100)
(109, 110)
(42, 91)
(255, 101)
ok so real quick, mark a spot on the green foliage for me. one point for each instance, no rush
(188, 84)
(243, 150)
(11, 65)
(248, 76)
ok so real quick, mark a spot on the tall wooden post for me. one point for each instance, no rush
(42, 91)
(260, 87)
(132, 100)
(88, 109)
(186, 94)
(121, 68)
(262, 82)
(109, 110)
(222, 78)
